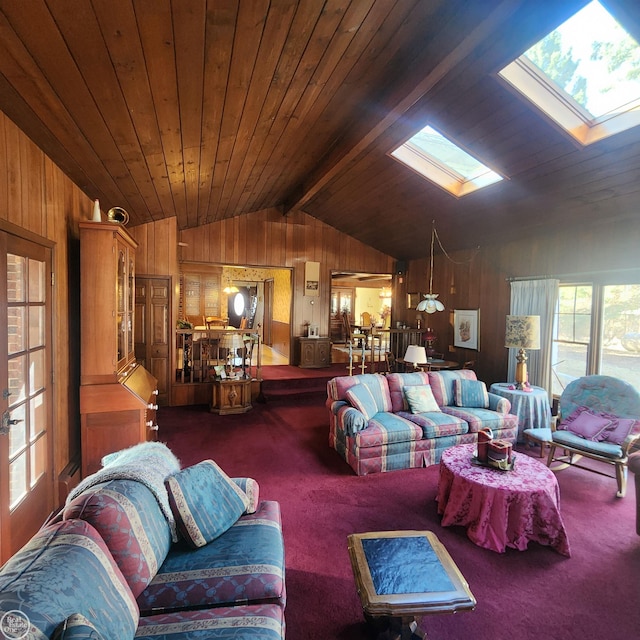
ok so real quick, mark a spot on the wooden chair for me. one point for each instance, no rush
(391, 365)
(601, 394)
(350, 333)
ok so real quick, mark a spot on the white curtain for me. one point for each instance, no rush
(535, 298)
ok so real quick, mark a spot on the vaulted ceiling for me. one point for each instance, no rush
(206, 110)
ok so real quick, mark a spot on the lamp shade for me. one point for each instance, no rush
(523, 332)
(430, 304)
(415, 354)
(231, 340)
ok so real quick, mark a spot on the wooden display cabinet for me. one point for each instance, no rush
(315, 353)
(117, 395)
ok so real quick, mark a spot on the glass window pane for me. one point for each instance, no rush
(17, 480)
(36, 326)
(192, 295)
(36, 371)
(18, 431)
(570, 362)
(38, 459)
(37, 416)
(620, 348)
(16, 333)
(37, 288)
(16, 269)
(17, 370)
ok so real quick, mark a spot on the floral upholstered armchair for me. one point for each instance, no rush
(598, 418)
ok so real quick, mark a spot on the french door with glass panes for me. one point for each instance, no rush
(26, 486)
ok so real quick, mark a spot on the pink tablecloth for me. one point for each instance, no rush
(501, 508)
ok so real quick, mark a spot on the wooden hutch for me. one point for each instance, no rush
(117, 395)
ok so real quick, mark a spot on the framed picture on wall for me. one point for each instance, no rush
(466, 328)
(413, 299)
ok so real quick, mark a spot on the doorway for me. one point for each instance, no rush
(359, 296)
(26, 443)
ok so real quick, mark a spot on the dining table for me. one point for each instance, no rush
(432, 364)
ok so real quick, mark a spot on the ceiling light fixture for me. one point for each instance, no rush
(230, 289)
(430, 304)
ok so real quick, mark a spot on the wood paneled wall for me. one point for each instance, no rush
(267, 238)
(39, 202)
(479, 280)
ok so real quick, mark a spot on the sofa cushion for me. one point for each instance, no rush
(76, 627)
(128, 517)
(604, 448)
(148, 463)
(66, 569)
(205, 502)
(437, 424)
(587, 424)
(337, 388)
(397, 382)
(470, 393)
(442, 384)
(480, 418)
(420, 399)
(249, 622)
(362, 399)
(388, 428)
(246, 563)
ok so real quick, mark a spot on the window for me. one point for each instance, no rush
(596, 330)
(584, 75)
(438, 159)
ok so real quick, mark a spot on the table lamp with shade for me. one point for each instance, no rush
(232, 341)
(415, 355)
(522, 333)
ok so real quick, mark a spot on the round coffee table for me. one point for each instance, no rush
(501, 509)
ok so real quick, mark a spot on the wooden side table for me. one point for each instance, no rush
(231, 395)
(403, 574)
(532, 407)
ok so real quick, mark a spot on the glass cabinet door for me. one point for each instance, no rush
(130, 306)
(121, 301)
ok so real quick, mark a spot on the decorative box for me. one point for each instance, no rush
(500, 454)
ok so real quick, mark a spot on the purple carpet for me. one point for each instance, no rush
(533, 594)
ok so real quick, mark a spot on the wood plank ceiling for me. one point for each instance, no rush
(206, 110)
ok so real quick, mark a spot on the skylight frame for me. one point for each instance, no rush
(543, 93)
(442, 175)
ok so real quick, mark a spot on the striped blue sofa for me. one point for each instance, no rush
(106, 568)
(387, 435)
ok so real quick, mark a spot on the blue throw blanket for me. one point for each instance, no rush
(149, 463)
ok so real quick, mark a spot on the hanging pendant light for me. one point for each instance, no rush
(430, 304)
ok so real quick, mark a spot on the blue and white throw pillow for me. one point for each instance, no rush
(205, 502)
(362, 399)
(470, 393)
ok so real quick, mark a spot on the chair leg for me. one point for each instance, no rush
(552, 450)
(621, 477)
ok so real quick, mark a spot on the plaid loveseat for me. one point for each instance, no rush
(106, 568)
(378, 430)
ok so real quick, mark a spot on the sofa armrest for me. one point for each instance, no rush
(498, 403)
(350, 420)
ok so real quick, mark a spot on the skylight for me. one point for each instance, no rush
(438, 159)
(585, 75)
